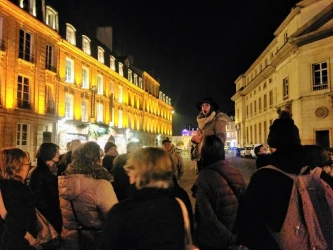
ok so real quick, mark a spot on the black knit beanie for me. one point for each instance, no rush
(283, 131)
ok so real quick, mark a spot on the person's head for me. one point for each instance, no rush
(259, 150)
(167, 145)
(131, 146)
(283, 131)
(48, 153)
(14, 164)
(86, 159)
(207, 106)
(68, 146)
(212, 150)
(110, 149)
(316, 156)
(150, 167)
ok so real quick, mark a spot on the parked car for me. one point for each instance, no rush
(246, 152)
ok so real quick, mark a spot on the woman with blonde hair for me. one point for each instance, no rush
(85, 192)
(17, 212)
(152, 218)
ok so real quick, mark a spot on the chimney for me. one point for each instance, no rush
(104, 35)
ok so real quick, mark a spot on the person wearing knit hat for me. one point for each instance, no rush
(210, 122)
(111, 152)
(266, 199)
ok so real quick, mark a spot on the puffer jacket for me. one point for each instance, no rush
(92, 200)
(218, 188)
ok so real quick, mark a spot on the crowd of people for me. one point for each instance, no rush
(100, 199)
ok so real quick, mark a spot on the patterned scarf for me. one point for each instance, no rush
(202, 121)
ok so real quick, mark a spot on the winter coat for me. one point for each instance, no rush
(217, 126)
(20, 218)
(92, 200)
(121, 180)
(177, 161)
(44, 186)
(218, 189)
(108, 162)
(151, 219)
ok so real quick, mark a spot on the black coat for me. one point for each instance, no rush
(152, 219)
(44, 186)
(21, 215)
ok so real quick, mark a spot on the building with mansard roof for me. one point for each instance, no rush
(60, 82)
(293, 72)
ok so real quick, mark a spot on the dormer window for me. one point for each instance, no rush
(136, 79)
(130, 75)
(70, 34)
(121, 71)
(29, 6)
(52, 18)
(112, 63)
(100, 54)
(86, 44)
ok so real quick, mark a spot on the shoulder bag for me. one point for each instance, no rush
(84, 243)
(47, 236)
(188, 238)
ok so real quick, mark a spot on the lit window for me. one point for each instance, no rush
(112, 63)
(121, 72)
(70, 34)
(99, 84)
(140, 82)
(320, 76)
(69, 106)
(84, 111)
(52, 18)
(100, 54)
(49, 100)
(23, 92)
(271, 98)
(99, 112)
(49, 60)
(285, 88)
(29, 6)
(22, 138)
(69, 70)
(120, 118)
(85, 78)
(136, 79)
(120, 94)
(86, 44)
(25, 46)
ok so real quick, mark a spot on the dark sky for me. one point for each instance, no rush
(196, 49)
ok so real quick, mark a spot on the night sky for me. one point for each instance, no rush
(195, 49)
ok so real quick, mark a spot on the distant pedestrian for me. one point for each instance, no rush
(111, 152)
(210, 122)
(177, 159)
(66, 158)
(262, 156)
(219, 189)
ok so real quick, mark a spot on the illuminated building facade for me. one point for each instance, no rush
(294, 72)
(59, 83)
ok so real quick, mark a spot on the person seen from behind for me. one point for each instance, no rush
(43, 182)
(121, 182)
(210, 122)
(219, 188)
(151, 218)
(111, 152)
(266, 199)
(66, 158)
(88, 186)
(18, 216)
(177, 159)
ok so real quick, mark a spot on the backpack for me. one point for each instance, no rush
(309, 220)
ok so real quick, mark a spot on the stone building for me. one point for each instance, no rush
(295, 72)
(59, 83)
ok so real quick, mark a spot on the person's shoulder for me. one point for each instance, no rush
(222, 117)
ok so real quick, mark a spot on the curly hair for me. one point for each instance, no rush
(86, 160)
(11, 162)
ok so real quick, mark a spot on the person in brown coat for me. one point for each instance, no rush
(210, 122)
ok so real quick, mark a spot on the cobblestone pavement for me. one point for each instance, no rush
(246, 167)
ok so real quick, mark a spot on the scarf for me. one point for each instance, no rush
(202, 121)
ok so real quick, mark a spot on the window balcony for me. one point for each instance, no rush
(26, 56)
(49, 110)
(23, 104)
(51, 68)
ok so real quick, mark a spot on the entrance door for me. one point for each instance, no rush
(323, 138)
